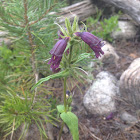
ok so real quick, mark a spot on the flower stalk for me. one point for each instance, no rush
(60, 133)
(70, 54)
(64, 94)
(65, 106)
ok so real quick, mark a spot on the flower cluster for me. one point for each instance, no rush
(94, 43)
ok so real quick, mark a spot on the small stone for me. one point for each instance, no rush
(6, 41)
(110, 57)
(94, 130)
(65, 129)
(127, 118)
(99, 99)
(3, 33)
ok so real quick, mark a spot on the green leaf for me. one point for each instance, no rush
(85, 27)
(60, 108)
(74, 25)
(82, 56)
(64, 73)
(68, 25)
(72, 122)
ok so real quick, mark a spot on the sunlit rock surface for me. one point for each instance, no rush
(100, 98)
(127, 30)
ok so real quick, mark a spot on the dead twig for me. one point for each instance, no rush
(84, 128)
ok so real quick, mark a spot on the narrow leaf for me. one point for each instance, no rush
(74, 25)
(64, 73)
(82, 56)
(68, 25)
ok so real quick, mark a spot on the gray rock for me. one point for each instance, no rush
(3, 33)
(127, 30)
(127, 118)
(110, 56)
(99, 99)
(6, 41)
(130, 83)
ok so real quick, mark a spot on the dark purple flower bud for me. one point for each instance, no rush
(60, 34)
(57, 53)
(110, 116)
(94, 42)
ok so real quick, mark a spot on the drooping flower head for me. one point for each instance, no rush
(94, 42)
(57, 52)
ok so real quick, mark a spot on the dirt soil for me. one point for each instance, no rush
(96, 127)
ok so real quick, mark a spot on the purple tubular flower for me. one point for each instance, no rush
(60, 34)
(110, 116)
(94, 42)
(57, 52)
(59, 47)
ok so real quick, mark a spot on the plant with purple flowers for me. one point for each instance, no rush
(65, 62)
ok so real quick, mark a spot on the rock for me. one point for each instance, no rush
(127, 30)
(94, 130)
(65, 129)
(110, 56)
(3, 38)
(3, 33)
(130, 83)
(99, 99)
(127, 118)
(6, 41)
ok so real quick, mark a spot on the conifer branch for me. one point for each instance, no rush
(10, 23)
(33, 61)
(2, 16)
(33, 22)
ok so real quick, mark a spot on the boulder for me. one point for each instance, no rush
(130, 7)
(127, 30)
(130, 83)
(100, 98)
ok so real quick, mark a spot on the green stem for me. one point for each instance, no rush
(60, 133)
(65, 107)
(70, 54)
(65, 103)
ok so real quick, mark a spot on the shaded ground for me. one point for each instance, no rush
(95, 127)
